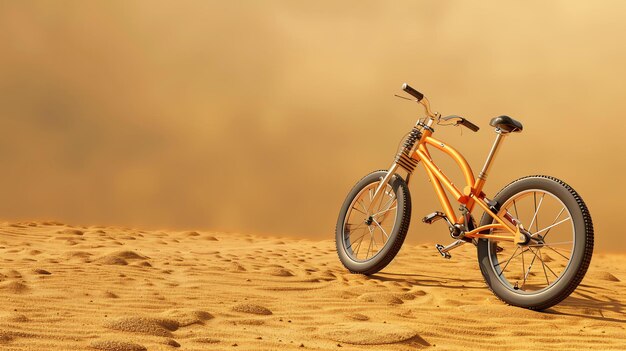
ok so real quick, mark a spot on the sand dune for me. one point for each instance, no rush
(122, 289)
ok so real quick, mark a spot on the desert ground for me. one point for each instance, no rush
(110, 288)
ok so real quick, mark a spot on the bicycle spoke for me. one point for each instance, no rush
(544, 267)
(355, 228)
(360, 202)
(374, 245)
(551, 226)
(352, 242)
(560, 248)
(515, 207)
(381, 229)
(383, 211)
(510, 258)
(536, 210)
(367, 254)
(548, 267)
(551, 248)
(359, 245)
(390, 202)
(551, 244)
(359, 210)
(557, 217)
(507, 262)
(529, 268)
(523, 267)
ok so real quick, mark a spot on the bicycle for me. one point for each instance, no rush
(378, 211)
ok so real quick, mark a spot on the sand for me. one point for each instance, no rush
(122, 289)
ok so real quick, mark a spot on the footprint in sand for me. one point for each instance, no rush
(365, 333)
(143, 264)
(204, 340)
(16, 225)
(357, 317)
(279, 272)
(12, 273)
(248, 322)
(79, 255)
(14, 287)
(7, 336)
(171, 342)
(252, 309)
(144, 325)
(381, 297)
(41, 271)
(70, 232)
(14, 317)
(110, 295)
(186, 317)
(505, 312)
(235, 267)
(113, 345)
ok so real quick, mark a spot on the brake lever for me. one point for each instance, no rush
(447, 118)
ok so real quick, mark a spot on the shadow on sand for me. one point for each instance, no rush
(427, 280)
(582, 303)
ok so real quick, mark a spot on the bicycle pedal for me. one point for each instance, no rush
(442, 253)
(433, 217)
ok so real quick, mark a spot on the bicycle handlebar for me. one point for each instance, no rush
(471, 126)
(419, 96)
(416, 94)
(462, 121)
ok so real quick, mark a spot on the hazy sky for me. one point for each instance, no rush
(258, 116)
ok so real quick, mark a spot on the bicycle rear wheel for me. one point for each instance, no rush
(367, 239)
(548, 268)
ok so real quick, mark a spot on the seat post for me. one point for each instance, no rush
(482, 176)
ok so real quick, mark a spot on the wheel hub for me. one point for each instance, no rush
(526, 237)
(537, 239)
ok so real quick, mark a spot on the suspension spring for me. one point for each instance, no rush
(403, 158)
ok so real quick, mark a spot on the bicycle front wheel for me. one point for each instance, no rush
(547, 268)
(369, 237)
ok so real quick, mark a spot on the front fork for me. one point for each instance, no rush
(378, 194)
(402, 160)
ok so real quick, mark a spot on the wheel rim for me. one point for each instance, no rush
(366, 233)
(540, 264)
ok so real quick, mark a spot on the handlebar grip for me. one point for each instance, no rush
(469, 125)
(416, 94)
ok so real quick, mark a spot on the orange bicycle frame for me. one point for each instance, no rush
(471, 194)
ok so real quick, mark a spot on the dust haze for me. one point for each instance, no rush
(258, 116)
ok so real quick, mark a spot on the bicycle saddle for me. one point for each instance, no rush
(506, 124)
